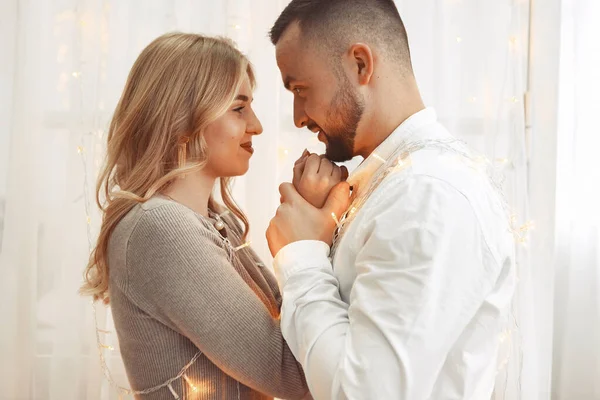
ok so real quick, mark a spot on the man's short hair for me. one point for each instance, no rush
(333, 25)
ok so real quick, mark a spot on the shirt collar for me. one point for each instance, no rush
(365, 171)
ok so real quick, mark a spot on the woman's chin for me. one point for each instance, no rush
(241, 170)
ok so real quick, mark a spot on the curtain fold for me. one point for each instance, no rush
(576, 350)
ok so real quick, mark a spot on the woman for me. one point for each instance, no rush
(195, 311)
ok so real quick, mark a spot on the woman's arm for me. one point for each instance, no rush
(178, 269)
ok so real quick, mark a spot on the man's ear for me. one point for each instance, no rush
(362, 61)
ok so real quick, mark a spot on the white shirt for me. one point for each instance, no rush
(418, 295)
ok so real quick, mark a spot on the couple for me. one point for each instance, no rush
(395, 284)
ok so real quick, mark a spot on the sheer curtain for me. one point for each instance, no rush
(576, 365)
(64, 64)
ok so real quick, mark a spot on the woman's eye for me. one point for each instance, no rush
(239, 109)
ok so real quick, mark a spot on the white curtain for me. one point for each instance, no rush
(64, 64)
(576, 361)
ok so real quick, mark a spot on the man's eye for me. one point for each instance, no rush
(297, 90)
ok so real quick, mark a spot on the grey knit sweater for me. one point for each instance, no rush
(176, 289)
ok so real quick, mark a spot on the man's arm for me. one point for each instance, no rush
(420, 280)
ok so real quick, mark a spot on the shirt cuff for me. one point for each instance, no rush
(299, 256)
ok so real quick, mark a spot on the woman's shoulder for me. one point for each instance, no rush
(158, 220)
(168, 219)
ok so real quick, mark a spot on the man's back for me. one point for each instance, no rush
(433, 239)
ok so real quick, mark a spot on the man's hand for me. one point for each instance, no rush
(315, 176)
(296, 219)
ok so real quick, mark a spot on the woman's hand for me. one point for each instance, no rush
(315, 176)
(297, 220)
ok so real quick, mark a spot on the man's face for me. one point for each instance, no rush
(324, 100)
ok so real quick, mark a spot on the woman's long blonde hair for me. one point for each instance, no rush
(178, 85)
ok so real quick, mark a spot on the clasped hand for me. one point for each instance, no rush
(318, 193)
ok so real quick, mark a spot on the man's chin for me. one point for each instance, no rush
(337, 156)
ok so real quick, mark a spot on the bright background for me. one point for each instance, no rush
(519, 86)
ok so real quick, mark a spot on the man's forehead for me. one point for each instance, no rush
(289, 45)
(296, 58)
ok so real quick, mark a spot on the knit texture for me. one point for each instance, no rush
(176, 289)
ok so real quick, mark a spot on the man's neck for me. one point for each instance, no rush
(393, 108)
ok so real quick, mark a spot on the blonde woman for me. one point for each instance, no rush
(195, 310)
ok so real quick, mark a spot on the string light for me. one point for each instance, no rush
(473, 99)
(173, 392)
(193, 387)
(458, 39)
(335, 219)
(127, 391)
(243, 246)
(107, 347)
(378, 158)
(76, 74)
(529, 225)
(283, 153)
(505, 335)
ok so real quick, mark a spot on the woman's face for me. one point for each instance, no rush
(229, 138)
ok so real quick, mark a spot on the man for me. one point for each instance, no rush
(411, 301)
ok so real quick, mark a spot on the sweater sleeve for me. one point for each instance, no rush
(179, 271)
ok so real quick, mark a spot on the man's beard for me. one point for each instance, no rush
(345, 113)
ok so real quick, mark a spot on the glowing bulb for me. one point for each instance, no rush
(80, 150)
(193, 387)
(458, 39)
(76, 74)
(473, 99)
(335, 219)
(283, 153)
(529, 225)
(236, 26)
(88, 220)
